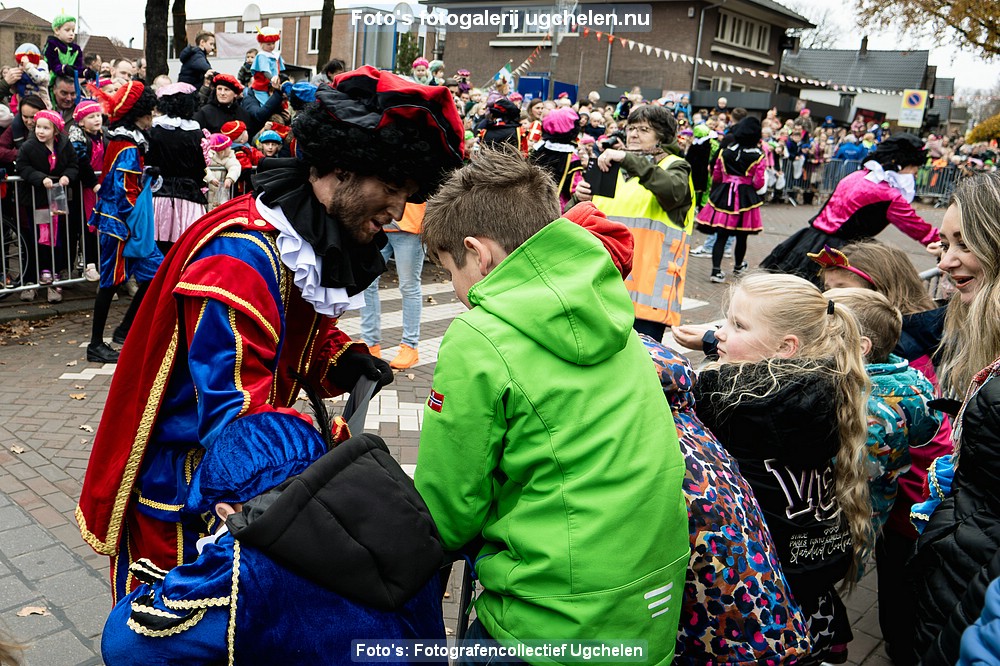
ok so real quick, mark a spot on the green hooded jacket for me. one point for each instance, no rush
(548, 435)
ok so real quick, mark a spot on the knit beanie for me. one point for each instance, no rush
(52, 117)
(85, 108)
(218, 142)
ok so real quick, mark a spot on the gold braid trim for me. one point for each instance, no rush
(237, 369)
(154, 504)
(212, 289)
(195, 603)
(183, 626)
(258, 243)
(150, 610)
(231, 633)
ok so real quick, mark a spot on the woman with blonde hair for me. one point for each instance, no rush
(958, 552)
(787, 399)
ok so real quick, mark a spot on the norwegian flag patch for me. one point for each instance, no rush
(435, 401)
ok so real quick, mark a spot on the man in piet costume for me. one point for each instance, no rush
(300, 566)
(243, 312)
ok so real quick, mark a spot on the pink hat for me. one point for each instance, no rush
(179, 88)
(586, 138)
(560, 121)
(804, 112)
(562, 95)
(52, 117)
(421, 61)
(85, 108)
(216, 142)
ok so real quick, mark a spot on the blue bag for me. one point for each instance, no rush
(141, 242)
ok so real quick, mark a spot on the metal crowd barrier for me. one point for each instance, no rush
(24, 256)
(935, 183)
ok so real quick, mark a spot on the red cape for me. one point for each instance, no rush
(140, 382)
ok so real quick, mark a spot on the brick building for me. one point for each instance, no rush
(742, 33)
(299, 45)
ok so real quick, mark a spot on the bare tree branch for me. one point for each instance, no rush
(962, 22)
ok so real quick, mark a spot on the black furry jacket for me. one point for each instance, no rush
(785, 443)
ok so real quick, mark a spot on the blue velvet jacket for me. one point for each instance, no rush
(234, 603)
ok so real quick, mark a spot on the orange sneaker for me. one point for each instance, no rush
(407, 358)
(375, 350)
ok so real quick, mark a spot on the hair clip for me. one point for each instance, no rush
(829, 307)
(831, 257)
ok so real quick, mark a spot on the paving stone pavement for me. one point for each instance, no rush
(51, 401)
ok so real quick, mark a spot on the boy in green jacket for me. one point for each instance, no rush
(546, 436)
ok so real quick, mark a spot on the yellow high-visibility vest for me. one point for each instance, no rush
(659, 263)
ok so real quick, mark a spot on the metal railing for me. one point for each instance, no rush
(71, 246)
(802, 177)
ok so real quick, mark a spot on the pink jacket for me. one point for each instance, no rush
(859, 208)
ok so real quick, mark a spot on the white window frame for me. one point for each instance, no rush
(743, 32)
(314, 27)
(231, 26)
(525, 30)
(722, 83)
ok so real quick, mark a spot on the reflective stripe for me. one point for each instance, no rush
(660, 260)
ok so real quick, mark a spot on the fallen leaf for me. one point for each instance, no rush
(54, 355)
(16, 449)
(62, 330)
(447, 595)
(71, 342)
(430, 299)
(33, 610)
(84, 441)
(71, 364)
(410, 376)
(78, 396)
(448, 631)
(87, 428)
(79, 386)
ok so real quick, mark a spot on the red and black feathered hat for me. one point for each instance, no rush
(118, 105)
(412, 130)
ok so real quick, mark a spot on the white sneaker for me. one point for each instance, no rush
(91, 274)
(718, 277)
(700, 251)
(27, 295)
(55, 295)
(132, 286)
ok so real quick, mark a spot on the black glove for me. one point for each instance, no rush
(152, 172)
(356, 362)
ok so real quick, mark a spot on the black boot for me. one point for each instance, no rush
(118, 337)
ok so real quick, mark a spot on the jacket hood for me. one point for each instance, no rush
(562, 290)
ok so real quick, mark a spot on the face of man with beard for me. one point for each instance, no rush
(364, 204)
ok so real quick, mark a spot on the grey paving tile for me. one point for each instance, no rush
(40, 564)
(61, 649)
(24, 539)
(72, 587)
(32, 627)
(89, 615)
(11, 516)
(15, 594)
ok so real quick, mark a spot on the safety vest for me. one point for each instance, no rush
(659, 262)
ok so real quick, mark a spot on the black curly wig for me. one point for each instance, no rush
(143, 107)
(179, 105)
(392, 153)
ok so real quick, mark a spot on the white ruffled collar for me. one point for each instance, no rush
(904, 182)
(169, 122)
(301, 259)
(560, 147)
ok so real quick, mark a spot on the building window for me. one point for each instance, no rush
(721, 83)
(314, 26)
(533, 21)
(745, 33)
(231, 26)
(208, 26)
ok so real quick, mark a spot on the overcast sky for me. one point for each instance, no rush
(124, 20)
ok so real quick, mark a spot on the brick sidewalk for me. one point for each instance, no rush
(50, 397)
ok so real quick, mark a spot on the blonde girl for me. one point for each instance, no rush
(787, 399)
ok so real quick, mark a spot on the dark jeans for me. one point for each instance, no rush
(477, 632)
(653, 329)
(896, 602)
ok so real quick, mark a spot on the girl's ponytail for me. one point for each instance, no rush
(843, 343)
